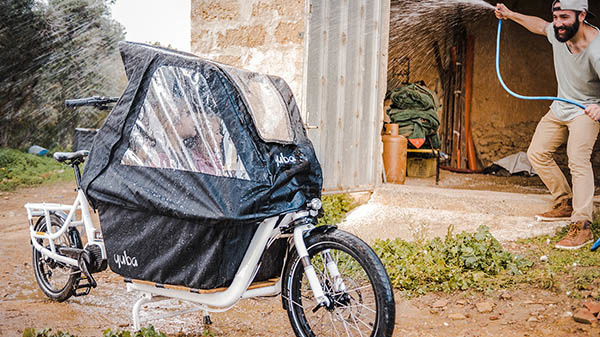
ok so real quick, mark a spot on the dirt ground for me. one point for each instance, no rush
(523, 312)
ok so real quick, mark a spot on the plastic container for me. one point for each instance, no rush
(421, 167)
(394, 155)
(37, 150)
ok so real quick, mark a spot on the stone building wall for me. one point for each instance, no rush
(259, 35)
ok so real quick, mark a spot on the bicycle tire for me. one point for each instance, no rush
(352, 314)
(44, 267)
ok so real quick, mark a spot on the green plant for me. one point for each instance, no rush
(208, 333)
(143, 332)
(23, 169)
(29, 332)
(459, 262)
(335, 207)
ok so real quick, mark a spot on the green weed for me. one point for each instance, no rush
(143, 332)
(29, 332)
(458, 262)
(335, 207)
(208, 333)
(23, 169)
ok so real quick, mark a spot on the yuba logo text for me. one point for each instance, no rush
(125, 260)
(281, 159)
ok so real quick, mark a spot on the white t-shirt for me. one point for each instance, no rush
(578, 76)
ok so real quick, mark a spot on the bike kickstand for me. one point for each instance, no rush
(207, 320)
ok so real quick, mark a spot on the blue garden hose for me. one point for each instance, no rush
(530, 98)
(596, 245)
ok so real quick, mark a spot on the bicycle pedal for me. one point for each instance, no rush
(87, 287)
(76, 293)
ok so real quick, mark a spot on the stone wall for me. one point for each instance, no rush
(259, 35)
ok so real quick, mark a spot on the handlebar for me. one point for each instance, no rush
(96, 101)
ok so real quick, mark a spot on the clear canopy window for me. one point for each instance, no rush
(269, 111)
(179, 127)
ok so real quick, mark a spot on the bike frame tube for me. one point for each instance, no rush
(52, 254)
(43, 209)
(149, 298)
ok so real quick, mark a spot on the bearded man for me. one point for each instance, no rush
(576, 49)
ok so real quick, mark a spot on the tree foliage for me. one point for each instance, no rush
(52, 51)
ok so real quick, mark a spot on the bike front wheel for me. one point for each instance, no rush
(361, 296)
(56, 279)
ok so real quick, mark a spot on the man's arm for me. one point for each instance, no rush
(532, 23)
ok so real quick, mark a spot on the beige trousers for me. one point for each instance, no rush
(580, 134)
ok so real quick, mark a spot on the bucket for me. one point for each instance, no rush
(394, 155)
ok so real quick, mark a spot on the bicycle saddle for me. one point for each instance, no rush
(71, 156)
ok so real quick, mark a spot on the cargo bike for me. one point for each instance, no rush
(208, 189)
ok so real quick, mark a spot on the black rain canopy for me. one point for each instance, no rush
(201, 141)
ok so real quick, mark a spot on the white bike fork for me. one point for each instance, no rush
(309, 270)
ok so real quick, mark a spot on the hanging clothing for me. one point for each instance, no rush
(414, 109)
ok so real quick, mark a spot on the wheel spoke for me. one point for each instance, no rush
(333, 324)
(358, 288)
(360, 305)
(361, 321)
(344, 323)
(355, 327)
(354, 316)
(321, 317)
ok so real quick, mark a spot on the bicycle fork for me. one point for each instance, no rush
(309, 270)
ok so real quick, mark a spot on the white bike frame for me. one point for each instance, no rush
(217, 301)
(94, 237)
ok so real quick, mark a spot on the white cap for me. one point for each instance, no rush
(574, 5)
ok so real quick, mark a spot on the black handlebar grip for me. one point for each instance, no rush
(92, 101)
(77, 102)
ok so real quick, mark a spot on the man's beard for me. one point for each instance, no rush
(570, 31)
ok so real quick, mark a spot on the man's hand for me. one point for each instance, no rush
(502, 12)
(593, 110)
(532, 23)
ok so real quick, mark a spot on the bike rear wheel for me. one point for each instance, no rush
(55, 278)
(365, 308)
